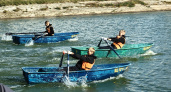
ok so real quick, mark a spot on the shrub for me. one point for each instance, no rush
(43, 9)
(5, 11)
(17, 9)
(58, 8)
(130, 3)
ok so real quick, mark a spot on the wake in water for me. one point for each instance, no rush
(119, 76)
(74, 39)
(6, 37)
(149, 52)
(82, 81)
(29, 42)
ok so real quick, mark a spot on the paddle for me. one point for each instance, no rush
(37, 36)
(112, 49)
(23, 33)
(68, 66)
(32, 41)
(62, 59)
(99, 43)
(108, 52)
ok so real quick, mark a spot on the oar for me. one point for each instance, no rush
(68, 66)
(62, 59)
(112, 49)
(37, 36)
(23, 33)
(99, 43)
(108, 52)
(32, 41)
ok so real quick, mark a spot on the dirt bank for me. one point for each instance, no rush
(80, 8)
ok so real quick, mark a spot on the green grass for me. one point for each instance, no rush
(130, 3)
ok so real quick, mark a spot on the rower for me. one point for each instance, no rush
(118, 41)
(85, 62)
(49, 29)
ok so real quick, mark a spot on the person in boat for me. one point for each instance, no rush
(118, 41)
(85, 62)
(49, 29)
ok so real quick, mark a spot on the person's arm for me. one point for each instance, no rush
(86, 58)
(51, 30)
(112, 39)
(76, 56)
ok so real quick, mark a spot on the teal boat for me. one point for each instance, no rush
(126, 51)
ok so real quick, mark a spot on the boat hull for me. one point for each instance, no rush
(22, 39)
(126, 51)
(54, 74)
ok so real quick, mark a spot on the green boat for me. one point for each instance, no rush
(126, 51)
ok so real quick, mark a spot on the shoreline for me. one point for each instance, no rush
(80, 8)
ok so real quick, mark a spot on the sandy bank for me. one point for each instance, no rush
(80, 8)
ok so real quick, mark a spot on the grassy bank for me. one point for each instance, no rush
(26, 2)
(130, 3)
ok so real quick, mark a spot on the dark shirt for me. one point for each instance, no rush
(51, 30)
(122, 39)
(86, 58)
(114, 39)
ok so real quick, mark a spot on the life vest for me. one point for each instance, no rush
(48, 29)
(118, 45)
(87, 65)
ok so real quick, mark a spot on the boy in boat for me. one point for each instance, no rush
(85, 62)
(49, 29)
(118, 41)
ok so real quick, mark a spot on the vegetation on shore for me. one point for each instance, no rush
(26, 2)
(130, 3)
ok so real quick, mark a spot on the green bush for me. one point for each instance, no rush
(17, 9)
(5, 11)
(43, 9)
(131, 3)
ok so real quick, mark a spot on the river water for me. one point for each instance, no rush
(149, 72)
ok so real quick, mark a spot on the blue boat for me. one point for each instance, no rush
(22, 39)
(56, 74)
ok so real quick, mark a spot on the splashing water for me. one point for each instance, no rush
(74, 39)
(6, 37)
(68, 83)
(81, 82)
(149, 52)
(29, 42)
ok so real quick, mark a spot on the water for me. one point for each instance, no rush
(149, 72)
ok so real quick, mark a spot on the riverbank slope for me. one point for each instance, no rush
(81, 8)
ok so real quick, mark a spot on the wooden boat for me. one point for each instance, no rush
(22, 39)
(54, 74)
(126, 51)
